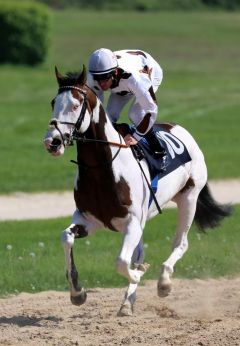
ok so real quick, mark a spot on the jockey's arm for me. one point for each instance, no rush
(145, 97)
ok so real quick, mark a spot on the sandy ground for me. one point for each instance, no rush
(197, 312)
(205, 313)
(20, 206)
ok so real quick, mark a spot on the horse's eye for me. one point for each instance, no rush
(75, 107)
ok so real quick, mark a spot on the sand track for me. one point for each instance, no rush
(19, 206)
(205, 313)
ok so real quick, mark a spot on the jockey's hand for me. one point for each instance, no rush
(129, 140)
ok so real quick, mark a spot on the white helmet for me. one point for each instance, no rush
(102, 62)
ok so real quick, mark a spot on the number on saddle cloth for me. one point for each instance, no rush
(176, 151)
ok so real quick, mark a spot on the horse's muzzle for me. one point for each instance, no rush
(55, 145)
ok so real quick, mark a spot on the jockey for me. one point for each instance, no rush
(129, 75)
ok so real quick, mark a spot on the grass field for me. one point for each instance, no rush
(199, 53)
(32, 258)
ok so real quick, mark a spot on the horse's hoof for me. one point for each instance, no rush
(125, 310)
(164, 289)
(80, 298)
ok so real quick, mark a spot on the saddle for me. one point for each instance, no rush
(168, 141)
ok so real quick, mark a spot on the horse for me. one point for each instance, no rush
(112, 192)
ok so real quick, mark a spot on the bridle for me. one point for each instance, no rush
(67, 140)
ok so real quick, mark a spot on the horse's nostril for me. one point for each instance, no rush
(56, 141)
(55, 145)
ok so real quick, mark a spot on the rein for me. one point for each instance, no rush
(115, 144)
(77, 125)
(82, 139)
(76, 135)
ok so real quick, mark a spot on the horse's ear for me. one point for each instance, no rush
(83, 76)
(58, 75)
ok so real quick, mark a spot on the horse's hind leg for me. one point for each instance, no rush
(78, 294)
(126, 308)
(186, 203)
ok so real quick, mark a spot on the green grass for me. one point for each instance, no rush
(199, 53)
(36, 261)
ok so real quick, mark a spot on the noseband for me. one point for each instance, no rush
(78, 123)
(68, 140)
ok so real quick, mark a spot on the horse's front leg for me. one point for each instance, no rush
(78, 294)
(126, 308)
(132, 236)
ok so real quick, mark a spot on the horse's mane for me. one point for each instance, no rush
(71, 78)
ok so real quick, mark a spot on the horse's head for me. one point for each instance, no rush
(71, 112)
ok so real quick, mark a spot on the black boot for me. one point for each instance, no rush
(155, 144)
(156, 147)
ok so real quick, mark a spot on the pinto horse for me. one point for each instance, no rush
(111, 191)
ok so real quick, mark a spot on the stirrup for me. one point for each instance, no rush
(164, 163)
(160, 154)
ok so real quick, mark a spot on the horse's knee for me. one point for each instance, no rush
(133, 275)
(67, 238)
(72, 232)
(79, 231)
(123, 268)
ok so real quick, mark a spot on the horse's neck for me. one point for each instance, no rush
(104, 125)
(96, 150)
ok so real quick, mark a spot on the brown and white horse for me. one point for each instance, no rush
(111, 191)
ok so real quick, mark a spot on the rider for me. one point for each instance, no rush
(130, 75)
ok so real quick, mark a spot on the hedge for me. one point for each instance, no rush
(24, 34)
(144, 5)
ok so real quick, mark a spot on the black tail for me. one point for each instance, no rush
(209, 213)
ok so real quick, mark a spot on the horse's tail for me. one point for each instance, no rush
(210, 213)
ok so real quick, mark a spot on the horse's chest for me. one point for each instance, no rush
(105, 199)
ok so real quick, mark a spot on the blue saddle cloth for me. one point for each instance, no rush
(176, 150)
(177, 153)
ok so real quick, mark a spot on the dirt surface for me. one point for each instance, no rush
(19, 206)
(197, 312)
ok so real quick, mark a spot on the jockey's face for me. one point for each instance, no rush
(105, 84)
(105, 81)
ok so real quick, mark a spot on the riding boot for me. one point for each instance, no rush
(155, 144)
(156, 147)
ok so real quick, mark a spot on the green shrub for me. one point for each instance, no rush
(226, 4)
(144, 5)
(24, 32)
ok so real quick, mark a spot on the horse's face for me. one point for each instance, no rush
(68, 107)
